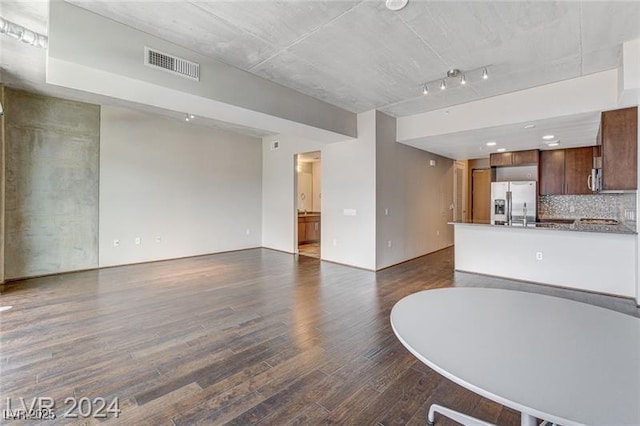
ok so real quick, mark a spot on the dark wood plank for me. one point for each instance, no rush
(245, 337)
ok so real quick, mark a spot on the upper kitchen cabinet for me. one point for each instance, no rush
(552, 172)
(578, 163)
(566, 171)
(515, 158)
(619, 139)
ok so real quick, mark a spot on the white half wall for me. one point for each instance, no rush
(413, 198)
(604, 263)
(347, 187)
(198, 189)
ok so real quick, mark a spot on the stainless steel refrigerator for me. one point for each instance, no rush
(513, 203)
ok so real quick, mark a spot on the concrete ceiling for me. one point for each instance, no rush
(357, 54)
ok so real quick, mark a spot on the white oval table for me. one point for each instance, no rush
(566, 362)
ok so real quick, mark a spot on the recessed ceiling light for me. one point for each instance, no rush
(548, 137)
(491, 143)
(396, 4)
(501, 149)
(529, 126)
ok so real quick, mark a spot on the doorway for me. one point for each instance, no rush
(480, 195)
(309, 203)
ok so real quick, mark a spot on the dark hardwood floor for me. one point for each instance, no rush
(247, 337)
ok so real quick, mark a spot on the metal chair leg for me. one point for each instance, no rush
(459, 417)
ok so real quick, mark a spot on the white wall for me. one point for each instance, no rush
(348, 182)
(316, 172)
(592, 261)
(197, 188)
(415, 195)
(629, 73)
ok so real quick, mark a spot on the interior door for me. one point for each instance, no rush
(480, 195)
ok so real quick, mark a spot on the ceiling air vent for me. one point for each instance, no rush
(173, 64)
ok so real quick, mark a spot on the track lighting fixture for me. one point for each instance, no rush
(455, 77)
(189, 117)
(23, 34)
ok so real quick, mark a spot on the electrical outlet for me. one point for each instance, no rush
(438, 233)
(138, 241)
(158, 239)
(335, 242)
(248, 231)
(572, 208)
(116, 243)
(538, 255)
(389, 243)
(386, 212)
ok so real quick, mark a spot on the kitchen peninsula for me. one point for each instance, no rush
(584, 258)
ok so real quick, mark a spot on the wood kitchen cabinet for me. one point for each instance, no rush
(552, 172)
(618, 137)
(515, 158)
(499, 159)
(308, 229)
(578, 163)
(302, 230)
(313, 230)
(566, 171)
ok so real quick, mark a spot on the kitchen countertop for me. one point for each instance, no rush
(309, 214)
(575, 226)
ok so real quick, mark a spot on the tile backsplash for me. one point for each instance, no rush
(603, 206)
